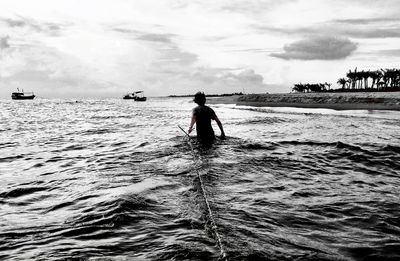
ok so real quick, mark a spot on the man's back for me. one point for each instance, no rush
(204, 115)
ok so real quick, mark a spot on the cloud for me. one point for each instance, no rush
(318, 48)
(390, 53)
(240, 6)
(379, 27)
(248, 76)
(13, 22)
(162, 38)
(366, 21)
(372, 33)
(132, 44)
(212, 80)
(176, 71)
(353, 28)
(228, 77)
(253, 6)
(138, 59)
(4, 42)
(144, 36)
(52, 29)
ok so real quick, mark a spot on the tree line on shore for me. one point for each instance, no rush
(209, 95)
(378, 80)
(311, 87)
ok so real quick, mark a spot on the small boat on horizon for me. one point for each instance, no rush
(135, 96)
(21, 95)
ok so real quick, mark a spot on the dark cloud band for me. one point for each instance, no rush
(4, 42)
(318, 48)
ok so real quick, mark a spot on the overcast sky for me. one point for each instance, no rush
(105, 48)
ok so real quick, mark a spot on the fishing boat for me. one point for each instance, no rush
(21, 95)
(137, 96)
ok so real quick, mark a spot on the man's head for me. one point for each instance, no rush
(200, 98)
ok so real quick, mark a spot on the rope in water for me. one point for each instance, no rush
(210, 214)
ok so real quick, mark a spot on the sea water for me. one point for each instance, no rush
(116, 179)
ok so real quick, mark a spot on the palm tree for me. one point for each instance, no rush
(327, 86)
(376, 76)
(397, 78)
(298, 87)
(366, 77)
(384, 78)
(352, 78)
(342, 82)
(393, 76)
(359, 78)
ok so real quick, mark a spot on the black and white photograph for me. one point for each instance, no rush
(200, 130)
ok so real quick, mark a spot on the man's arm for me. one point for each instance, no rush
(220, 127)
(192, 123)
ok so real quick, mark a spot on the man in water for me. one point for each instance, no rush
(202, 116)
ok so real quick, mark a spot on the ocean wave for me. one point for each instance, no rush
(114, 180)
(21, 191)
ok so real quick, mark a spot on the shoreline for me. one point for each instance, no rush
(336, 101)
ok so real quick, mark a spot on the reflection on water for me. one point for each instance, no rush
(116, 179)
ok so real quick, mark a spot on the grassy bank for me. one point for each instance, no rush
(337, 101)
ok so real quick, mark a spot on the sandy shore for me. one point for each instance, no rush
(337, 101)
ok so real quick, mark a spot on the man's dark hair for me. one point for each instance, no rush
(200, 98)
